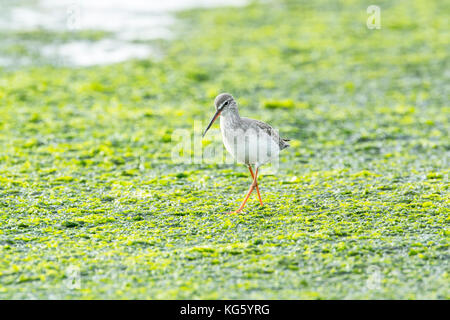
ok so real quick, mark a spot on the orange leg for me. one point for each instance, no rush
(257, 189)
(252, 187)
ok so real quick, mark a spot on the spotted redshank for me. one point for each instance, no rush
(251, 142)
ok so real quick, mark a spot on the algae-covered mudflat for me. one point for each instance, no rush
(93, 205)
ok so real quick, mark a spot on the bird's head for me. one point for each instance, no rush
(224, 103)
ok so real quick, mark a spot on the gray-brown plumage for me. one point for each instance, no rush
(250, 141)
(268, 129)
(245, 123)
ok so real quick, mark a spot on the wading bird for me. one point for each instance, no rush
(249, 141)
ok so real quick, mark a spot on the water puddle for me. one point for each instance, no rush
(127, 26)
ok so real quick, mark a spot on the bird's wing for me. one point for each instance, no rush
(269, 130)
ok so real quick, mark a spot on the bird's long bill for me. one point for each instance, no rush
(216, 115)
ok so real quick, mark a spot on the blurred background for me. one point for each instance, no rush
(86, 33)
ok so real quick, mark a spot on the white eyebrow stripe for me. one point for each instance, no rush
(223, 104)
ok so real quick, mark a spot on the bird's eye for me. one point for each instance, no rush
(226, 103)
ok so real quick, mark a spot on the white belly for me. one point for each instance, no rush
(253, 147)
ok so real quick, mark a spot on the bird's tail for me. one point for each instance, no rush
(285, 143)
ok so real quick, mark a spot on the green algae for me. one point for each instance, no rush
(357, 209)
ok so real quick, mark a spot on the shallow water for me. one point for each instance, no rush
(125, 22)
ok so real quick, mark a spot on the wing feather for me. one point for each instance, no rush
(269, 130)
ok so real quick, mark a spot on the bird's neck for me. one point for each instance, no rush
(231, 115)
